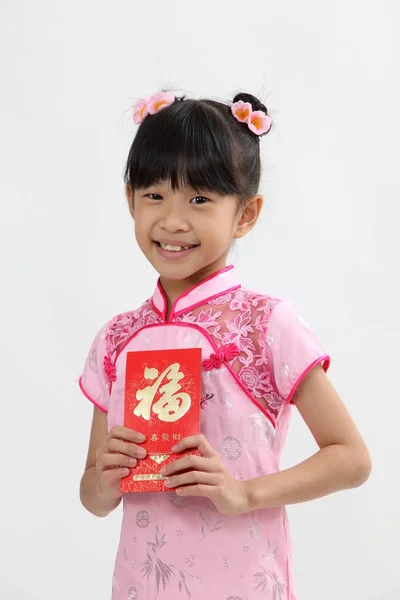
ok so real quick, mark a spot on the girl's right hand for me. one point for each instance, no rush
(118, 453)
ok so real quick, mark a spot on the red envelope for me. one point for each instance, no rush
(162, 400)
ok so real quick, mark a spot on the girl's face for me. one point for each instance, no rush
(186, 235)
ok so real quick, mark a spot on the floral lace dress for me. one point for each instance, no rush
(175, 547)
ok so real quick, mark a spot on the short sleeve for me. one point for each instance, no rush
(293, 349)
(93, 382)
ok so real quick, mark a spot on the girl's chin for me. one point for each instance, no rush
(192, 274)
(175, 274)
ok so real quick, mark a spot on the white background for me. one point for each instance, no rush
(328, 239)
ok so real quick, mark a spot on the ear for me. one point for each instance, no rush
(130, 197)
(248, 216)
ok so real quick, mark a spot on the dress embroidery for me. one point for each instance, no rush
(123, 326)
(236, 321)
(241, 318)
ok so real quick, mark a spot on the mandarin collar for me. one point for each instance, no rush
(215, 285)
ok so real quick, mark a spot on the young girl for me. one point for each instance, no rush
(220, 532)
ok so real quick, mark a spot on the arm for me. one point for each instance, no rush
(110, 456)
(342, 462)
(90, 495)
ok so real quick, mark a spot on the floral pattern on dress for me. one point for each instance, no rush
(249, 314)
(163, 574)
(209, 525)
(221, 300)
(123, 326)
(205, 319)
(269, 580)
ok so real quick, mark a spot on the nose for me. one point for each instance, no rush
(173, 219)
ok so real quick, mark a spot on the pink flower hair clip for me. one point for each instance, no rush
(257, 120)
(151, 106)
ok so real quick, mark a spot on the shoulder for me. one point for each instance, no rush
(99, 368)
(265, 299)
(245, 299)
(116, 330)
(249, 301)
(122, 326)
(269, 312)
(126, 319)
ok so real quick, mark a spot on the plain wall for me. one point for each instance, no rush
(328, 239)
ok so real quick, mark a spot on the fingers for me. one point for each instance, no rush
(119, 454)
(124, 433)
(121, 447)
(111, 479)
(196, 441)
(110, 461)
(194, 477)
(192, 462)
(196, 490)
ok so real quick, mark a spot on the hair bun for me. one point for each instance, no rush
(255, 102)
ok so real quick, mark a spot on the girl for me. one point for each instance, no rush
(192, 178)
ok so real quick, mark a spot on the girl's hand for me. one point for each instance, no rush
(207, 477)
(118, 453)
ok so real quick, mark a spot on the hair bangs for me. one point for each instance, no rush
(187, 144)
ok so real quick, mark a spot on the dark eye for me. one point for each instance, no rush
(154, 196)
(199, 200)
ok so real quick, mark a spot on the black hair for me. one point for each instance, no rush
(197, 143)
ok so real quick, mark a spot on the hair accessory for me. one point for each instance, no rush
(151, 106)
(257, 121)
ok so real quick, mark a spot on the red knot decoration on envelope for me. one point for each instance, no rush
(162, 400)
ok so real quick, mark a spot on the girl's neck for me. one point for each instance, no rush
(173, 288)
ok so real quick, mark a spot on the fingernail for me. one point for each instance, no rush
(125, 472)
(132, 461)
(141, 437)
(169, 483)
(163, 471)
(174, 448)
(142, 452)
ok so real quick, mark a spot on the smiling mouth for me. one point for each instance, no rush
(175, 248)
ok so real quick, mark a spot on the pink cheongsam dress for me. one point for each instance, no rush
(174, 547)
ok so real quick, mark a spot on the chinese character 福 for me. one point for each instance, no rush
(172, 404)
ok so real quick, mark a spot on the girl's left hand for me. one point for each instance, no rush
(207, 477)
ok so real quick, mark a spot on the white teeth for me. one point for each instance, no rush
(173, 248)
